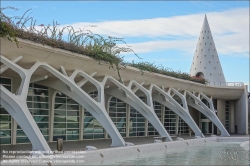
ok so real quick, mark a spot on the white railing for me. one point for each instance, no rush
(225, 83)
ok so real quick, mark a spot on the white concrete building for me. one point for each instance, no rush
(49, 93)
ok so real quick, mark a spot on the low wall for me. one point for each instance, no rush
(119, 152)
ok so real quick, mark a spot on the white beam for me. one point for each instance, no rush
(63, 71)
(4, 67)
(39, 78)
(136, 88)
(84, 81)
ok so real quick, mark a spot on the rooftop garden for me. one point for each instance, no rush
(82, 41)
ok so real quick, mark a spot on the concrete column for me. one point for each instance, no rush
(195, 115)
(107, 100)
(81, 121)
(146, 127)
(127, 119)
(52, 96)
(162, 114)
(13, 131)
(177, 124)
(15, 83)
(241, 113)
(221, 112)
(231, 117)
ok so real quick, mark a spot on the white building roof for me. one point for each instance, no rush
(206, 61)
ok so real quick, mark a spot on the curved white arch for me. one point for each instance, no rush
(130, 98)
(201, 107)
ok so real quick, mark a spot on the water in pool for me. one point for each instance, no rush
(214, 153)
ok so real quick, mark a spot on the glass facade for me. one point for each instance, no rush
(151, 130)
(92, 129)
(183, 127)
(66, 123)
(66, 118)
(170, 121)
(38, 104)
(117, 113)
(136, 122)
(5, 118)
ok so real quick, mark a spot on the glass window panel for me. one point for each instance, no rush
(132, 134)
(41, 92)
(71, 101)
(98, 136)
(72, 137)
(121, 109)
(3, 111)
(29, 98)
(112, 104)
(121, 114)
(46, 138)
(59, 131)
(157, 107)
(5, 126)
(60, 106)
(59, 119)
(88, 125)
(140, 119)
(121, 104)
(5, 141)
(72, 131)
(44, 131)
(72, 125)
(112, 114)
(7, 87)
(87, 136)
(41, 105)
(60, 100)
(73, 107)
(113, 99)
(73, 113)
(140, 124)
(88, 130)
(60, 112)
(60, 94)
(98, 129)
(86, 113)
(29, 104)
(20, 133)
(113, 119)
(5, 133)
(22, 140)
(41, 99)
(30, 91)
(40, 112)
(5, 81)
(59, 125)
(43, 125)
(40, 86)
(41, 118)
(4, 118)
(72, 119)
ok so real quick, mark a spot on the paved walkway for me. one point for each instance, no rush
(99, 144)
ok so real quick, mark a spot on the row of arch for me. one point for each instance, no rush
(67, 117)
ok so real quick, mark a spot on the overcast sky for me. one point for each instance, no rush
(162, 32)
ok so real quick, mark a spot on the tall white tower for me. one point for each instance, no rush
(206, 63)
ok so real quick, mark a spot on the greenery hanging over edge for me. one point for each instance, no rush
(82, 42)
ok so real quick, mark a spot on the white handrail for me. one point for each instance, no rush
(226, 83)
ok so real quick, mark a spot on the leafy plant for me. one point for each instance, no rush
(80, 41)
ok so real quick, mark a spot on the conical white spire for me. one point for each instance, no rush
(206, 62)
